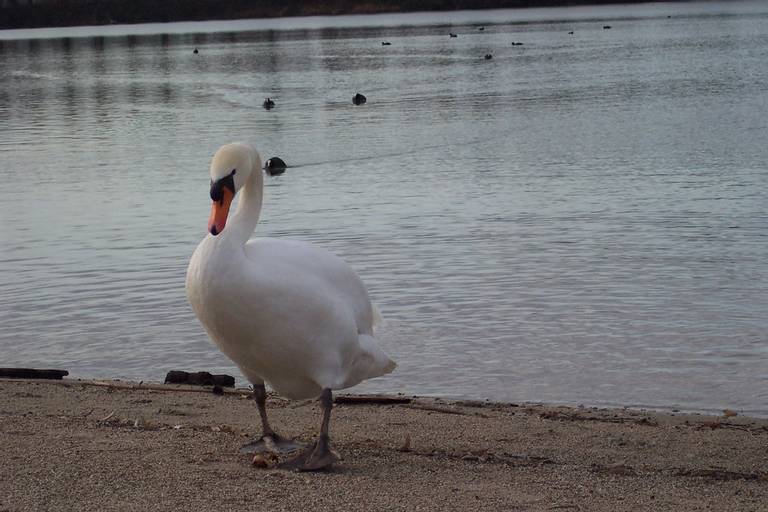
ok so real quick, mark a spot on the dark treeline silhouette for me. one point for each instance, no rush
(59, 13)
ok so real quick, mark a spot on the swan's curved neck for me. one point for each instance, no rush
(242, 224)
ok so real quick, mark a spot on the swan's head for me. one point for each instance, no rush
(231, 167)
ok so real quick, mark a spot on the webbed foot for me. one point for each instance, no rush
(318, 456)
(272, 443)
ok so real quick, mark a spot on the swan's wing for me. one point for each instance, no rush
(318, 310)
(301, 265)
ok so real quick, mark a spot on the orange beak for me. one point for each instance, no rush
(219, 212)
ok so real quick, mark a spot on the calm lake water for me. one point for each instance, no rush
(582, 218)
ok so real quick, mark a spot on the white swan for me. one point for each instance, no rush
(286, 312)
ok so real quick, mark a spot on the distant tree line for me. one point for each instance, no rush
(59, 13)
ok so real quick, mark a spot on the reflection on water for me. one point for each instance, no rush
(580, 219)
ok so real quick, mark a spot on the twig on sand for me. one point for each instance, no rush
(444, 410)
(152, 387)
(575, 416)
(720, 474)
(105, 418)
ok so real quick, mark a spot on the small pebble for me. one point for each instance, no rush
(263, 460)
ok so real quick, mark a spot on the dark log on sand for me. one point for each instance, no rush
(371, 399)
(199, 379)
(32, 373)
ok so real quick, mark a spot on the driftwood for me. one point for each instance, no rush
(720, 474)
(158, 387)
(32, 373)
(371, 399)
(199, 379)
(444, 410)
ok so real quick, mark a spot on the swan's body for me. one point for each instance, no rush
(286, 312)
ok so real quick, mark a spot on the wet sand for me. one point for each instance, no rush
(85, 445)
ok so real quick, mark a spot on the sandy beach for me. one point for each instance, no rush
(92, 445)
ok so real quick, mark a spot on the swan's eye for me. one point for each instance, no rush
(217, 187)
(233, 172)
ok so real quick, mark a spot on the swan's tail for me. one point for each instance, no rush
(371, 361)
(375, 361)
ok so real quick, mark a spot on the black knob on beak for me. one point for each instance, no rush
(217, 187)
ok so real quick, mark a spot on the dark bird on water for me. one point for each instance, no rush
(451, 34)
(606, 27)
(195, 51)
(359, 99)
(488, 56)
(275, 166)
(385, 43)
(268, 104)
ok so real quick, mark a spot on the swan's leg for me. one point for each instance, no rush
(269, 441)
(319, 455)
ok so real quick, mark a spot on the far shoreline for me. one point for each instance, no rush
(81, 13)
